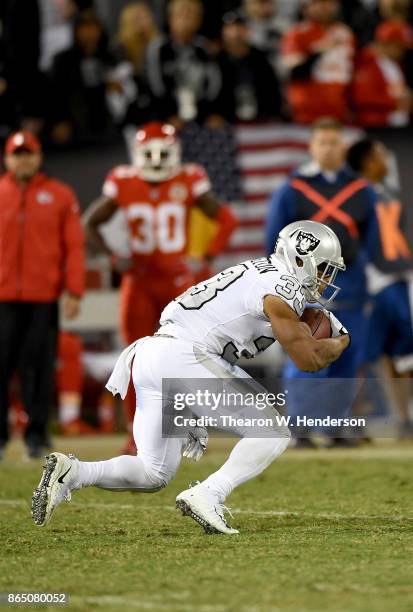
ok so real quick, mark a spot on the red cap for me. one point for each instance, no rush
(23, 141)
(394, 32)
(157, 130)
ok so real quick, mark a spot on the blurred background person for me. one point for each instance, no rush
(21, 43)
(401, 11)
(250, 89)
(80, 79)
(325, 190)
(183, 79)
(137, 28)
(131, 104)
(70, 381)
(42, 253)
(266, 27)
(391, 10)
(360, 19)
(380, 94)
(390, 281)
(156, 194)
(318, 57)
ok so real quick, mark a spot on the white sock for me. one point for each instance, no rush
(248, 458)
(68, 412)
(125, 473)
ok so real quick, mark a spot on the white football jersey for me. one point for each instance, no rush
(224, 315)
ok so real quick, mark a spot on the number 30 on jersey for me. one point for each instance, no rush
(162, 228)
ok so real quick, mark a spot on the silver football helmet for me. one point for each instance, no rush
(312, 253)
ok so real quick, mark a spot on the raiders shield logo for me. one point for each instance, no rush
(306, 243)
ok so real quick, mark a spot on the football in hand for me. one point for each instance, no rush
(318, 322)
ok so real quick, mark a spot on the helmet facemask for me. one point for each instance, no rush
(325, 281)
(158, 159)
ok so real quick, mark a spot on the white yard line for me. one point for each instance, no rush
(141, 604)
(275, 513)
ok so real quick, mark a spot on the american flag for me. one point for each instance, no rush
(246, 164)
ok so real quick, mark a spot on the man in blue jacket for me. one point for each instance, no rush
(326, 190)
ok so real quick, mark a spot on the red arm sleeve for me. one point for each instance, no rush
(74, 244)
(228, 222)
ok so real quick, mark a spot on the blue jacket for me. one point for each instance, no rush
(346, 203)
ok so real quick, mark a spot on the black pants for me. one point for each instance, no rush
(28, 336)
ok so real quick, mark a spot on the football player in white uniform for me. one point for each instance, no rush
(240, 311)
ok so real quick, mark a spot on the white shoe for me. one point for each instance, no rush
(199, 503)
(57, 481)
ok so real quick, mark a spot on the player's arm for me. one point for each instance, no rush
(98, 213)
(211, 206)
(308, 353)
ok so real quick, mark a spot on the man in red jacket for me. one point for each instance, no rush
(379, 93)
(318, 56)
(41, 256)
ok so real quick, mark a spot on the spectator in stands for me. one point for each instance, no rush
(130, 102)
(81, 78)
(183, 79)
(379, 91)
(42, 254)
(318, 54)
(7, 106)
(250, 90)
(214, 10)
(57, 19)
(391, 10)
(265, 27)
(137, 29)
(325, 190)
(360, 20)
(25, 83)
(390, 329)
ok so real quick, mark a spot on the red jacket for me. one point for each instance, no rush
(324, 91)
(374, 96)
(41, 240)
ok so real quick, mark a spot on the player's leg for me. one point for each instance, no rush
(138, 318)
(12, 331)
(397, 303)
(69, 377)
(37, 374)
(149, 471)
(256, 450)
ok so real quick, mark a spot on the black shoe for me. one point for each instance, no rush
(305, 443)
(37, 445)
(35, 451)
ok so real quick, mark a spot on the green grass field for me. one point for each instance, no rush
(319, 531)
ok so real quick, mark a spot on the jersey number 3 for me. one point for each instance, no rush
(198, 296)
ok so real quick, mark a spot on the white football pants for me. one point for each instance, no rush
(158, 457)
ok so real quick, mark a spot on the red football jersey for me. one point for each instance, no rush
(157, 215)
(324, 93)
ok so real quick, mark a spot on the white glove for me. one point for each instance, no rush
(337, 328)
(196, 443)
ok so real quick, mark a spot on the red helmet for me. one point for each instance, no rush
(157, 152)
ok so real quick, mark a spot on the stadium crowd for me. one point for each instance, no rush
(65, 74)
(71, 78)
